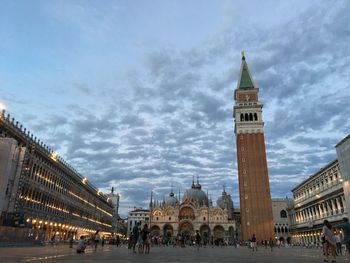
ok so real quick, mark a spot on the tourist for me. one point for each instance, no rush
(135, 236)
(96, 239)
(329, 240)
(338, 243)
(271, 244)
(81, 245)
(145, 238)
(346, 233)
(198, 239)
(253, 243)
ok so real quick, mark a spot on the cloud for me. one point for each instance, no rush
(140, 117)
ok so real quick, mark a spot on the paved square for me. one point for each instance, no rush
(63, 253)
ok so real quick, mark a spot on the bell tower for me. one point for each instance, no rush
(253, 179)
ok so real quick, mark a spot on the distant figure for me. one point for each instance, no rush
(97, 239)
(81, 245)
(145, 239)
(253, 243)
(338, 243)
(329, 240)
(271, 244)
(71, 242)
(198, 239)
(346, 233)
(117, 242)
(135, 236)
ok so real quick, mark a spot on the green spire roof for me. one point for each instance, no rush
(245, 80)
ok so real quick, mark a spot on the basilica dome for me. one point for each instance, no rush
(195, 194)
(171, 200)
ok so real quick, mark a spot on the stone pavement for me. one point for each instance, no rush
(63, 253)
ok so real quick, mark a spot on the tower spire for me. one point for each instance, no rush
(245, 80)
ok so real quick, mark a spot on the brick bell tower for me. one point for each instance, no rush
(253, 179)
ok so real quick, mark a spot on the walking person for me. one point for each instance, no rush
(145, 236)
(253, 243)
(330, 241)
(135, 236)
(338, 243)
(346, 233)
(96, 239)
(198, 239)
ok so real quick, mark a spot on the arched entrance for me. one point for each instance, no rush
(204, 231)
(186, 231)
(168, 231)
(219, 234)
(155, 231)
(186, 213)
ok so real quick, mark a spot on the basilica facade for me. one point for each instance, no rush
(196, 212)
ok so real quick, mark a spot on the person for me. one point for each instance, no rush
(346, 233)
(271, 244)
(135, 236)
(71, 242)
(338, 243)
(253, 243)
(198, 239)
(140, 244)
(329, 240)
(145, 239)
(81, 245)
(97, 239)
(117, 242)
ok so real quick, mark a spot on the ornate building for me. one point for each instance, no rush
(319, 197)
(254, 188)
(170, 218)
(40, 191)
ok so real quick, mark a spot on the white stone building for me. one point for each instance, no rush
(137, 215)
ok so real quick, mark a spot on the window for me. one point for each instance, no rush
(283, 214)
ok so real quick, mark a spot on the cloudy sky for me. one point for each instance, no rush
(139, 94)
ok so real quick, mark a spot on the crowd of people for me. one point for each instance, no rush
(140, 241)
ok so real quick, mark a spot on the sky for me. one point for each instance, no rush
(138, 95)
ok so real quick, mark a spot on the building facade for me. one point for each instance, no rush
(319, 197)
(343, 154)
(281, 219)
(254, 187)
(195, 212)
(138, 215)
(41, 191)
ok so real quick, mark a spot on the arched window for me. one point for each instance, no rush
(251, 116)
(246, 117)
(242, 117)
(278, 230)
(255, 117)
(283, 214)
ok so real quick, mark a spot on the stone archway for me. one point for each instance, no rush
(219, 233)
(204, 231)
(186, 231)
(155, 231)
(168, 231)
(186, 213)
(231, 231)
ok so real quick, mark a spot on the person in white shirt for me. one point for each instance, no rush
(330, 241)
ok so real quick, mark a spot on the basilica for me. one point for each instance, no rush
(196, 212)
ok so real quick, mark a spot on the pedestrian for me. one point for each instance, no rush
(253, 243)
(346, 233)
(338, 243)
(198, 239)
(271, 244)
(71, 242)
(145, 239)
(330, 241)
(135, 236)
(81, 245)
(96, 239)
